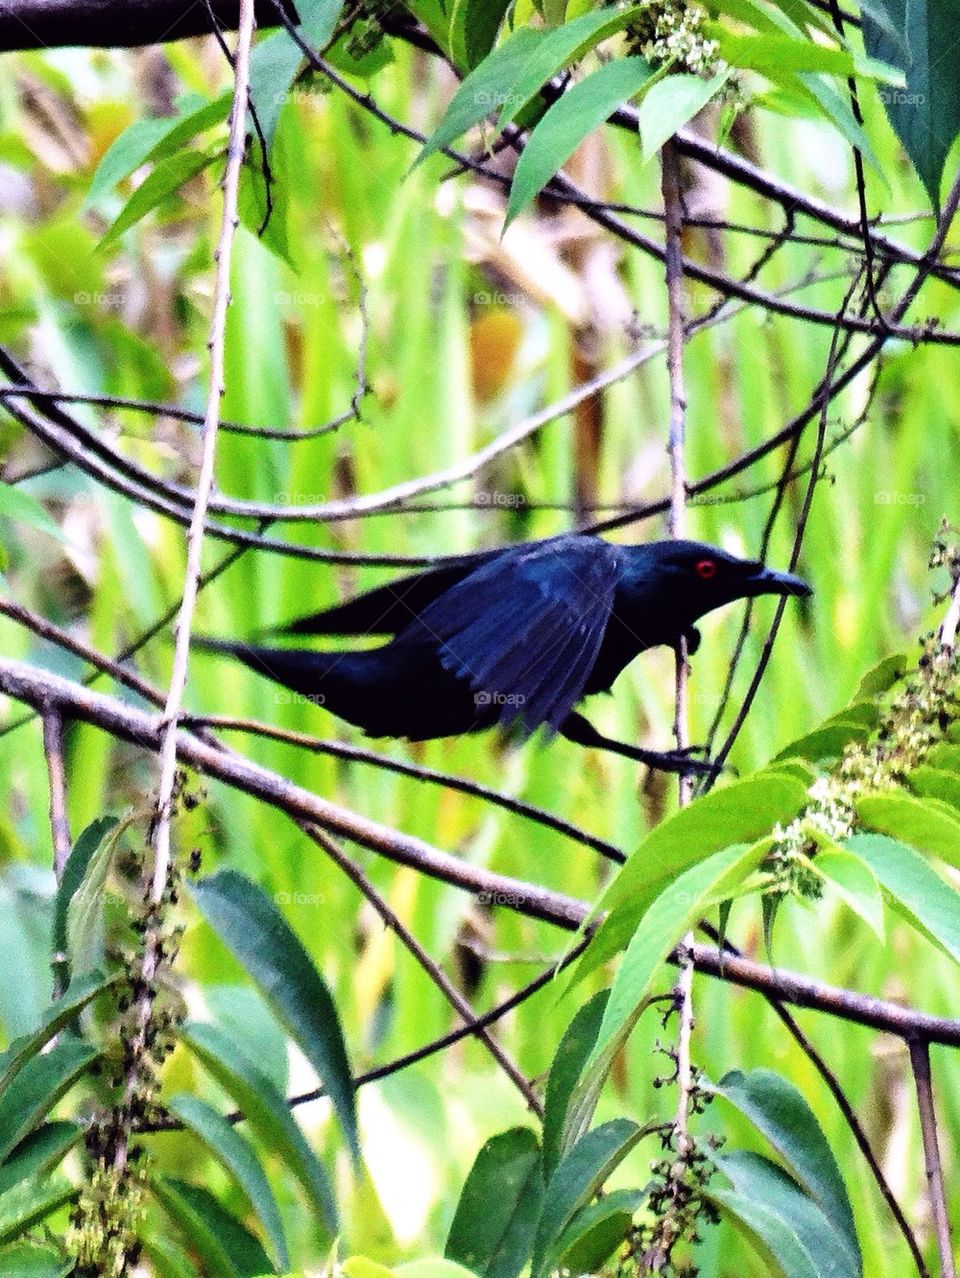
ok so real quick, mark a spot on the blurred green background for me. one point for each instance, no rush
(467, 334)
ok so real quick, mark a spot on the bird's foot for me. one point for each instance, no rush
(682, 761)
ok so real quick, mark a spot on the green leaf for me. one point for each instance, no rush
(772, 51)
(782, 1114)
(164, 180)
(670, 915)
(945, 756)
(57, 1015)
(28, 1261)
(265, 945)
(265, 1109)
(815, 1240)
(73, 875)
(152, 139)
(493, 1228)
(828, 740)
(558, 49)
(578, 1177)
(473, 30)
(777, 1243)
(670, 104)
(482, 90)
(596, 1230)
(19, 506)
(30, 1202)
(915, 889)
(881, 677)
(856, 883)
(925, 824)
(934, 783)
(86, 900)
(573, 1053)
(37, 1088)
(737, 813)
(227, 1248)
(237, 1155)
(39, 1153)
(124, 155)
(926, 114)
(565, 125)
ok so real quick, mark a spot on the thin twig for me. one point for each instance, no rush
(167, 728)
(56, 772)
(920, 1063)
(436, 974)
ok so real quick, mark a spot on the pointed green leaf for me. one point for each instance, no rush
(856, 883)
(227, 1248)
(473, 29)
(782, 1114)
(265, 1109)
(925, 114)
(164, 180)
(573, 1053)
(264, 943)
(482, 91)
(764, 1183)
(571, 119)
(669, 917)
(237, 1155)
(58, 1014)
(737, 813)
(39, 1153)
(670, 104)
(881, 677)
(86, 902)
(578, 1177)
(935, 783)
(73, 875)
(37, 1088)
(925, 824)
(914, 887)
(557, 49)
(493, 1228)
(30, 1202)
(595, 1231)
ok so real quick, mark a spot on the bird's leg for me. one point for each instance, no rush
(576, 728)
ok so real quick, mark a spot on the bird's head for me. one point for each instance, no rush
(695, 578)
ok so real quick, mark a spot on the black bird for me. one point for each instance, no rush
(512, 636)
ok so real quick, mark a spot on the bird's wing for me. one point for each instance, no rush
(387, 609)
(525, 629)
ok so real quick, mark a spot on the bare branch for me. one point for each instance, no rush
(920, 1063)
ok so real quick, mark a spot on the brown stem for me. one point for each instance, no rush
(920, 1062)
(59, 823)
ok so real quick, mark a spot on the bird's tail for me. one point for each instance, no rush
(302, 670)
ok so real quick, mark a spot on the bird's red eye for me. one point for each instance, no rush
(706, 568)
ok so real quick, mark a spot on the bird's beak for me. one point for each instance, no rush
(767, 581)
